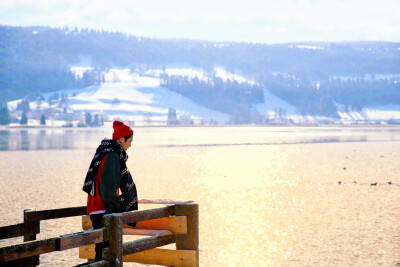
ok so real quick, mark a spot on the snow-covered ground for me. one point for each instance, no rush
(133, 97)
(273, 103)
(373, 113)
(138, 97)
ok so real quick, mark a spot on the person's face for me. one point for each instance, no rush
(126, 144)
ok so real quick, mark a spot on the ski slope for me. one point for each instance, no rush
(138, 97)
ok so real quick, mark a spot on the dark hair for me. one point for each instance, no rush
(127, 137)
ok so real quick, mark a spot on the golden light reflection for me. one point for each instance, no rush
(260, 205)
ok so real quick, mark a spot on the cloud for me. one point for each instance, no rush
(334, 20)
(269, 29)
(119, 16)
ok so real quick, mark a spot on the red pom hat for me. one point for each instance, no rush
(121, 130)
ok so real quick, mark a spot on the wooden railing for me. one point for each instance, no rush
(177, 222)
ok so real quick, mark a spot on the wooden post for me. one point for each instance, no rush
(190, 241)
(114, 224)
(33, 227)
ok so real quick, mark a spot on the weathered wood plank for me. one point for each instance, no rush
(166, 257)
(144, 215)
(155, 219)
(15, 230)
(190, 241)
(86, 222)
(114, 224)
(147, 243)
(145, 232)
(174, 224)
(81, 239)
(55, 213)
(87, 252)
(32, 228)
(27, 249)
(30, 261)
(101, 263)
(164, 201)
(156, 256)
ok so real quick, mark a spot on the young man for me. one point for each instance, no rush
(107, 175)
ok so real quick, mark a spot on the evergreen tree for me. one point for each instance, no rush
(4, 116)
(24, 106)
(172, 119)
(24, 119)
(88, 118)
(42, 120)
(96, 120)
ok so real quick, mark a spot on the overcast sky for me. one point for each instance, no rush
(261, 21)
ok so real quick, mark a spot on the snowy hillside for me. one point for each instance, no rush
(138, 98)
(374, 113)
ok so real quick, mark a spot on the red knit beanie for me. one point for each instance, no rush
(121, 130)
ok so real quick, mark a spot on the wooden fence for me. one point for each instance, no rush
(176, 222)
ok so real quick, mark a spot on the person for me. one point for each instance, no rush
(107, 176)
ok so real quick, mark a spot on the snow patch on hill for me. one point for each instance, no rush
(190, 72)
(373, 113)
(226, 75)
(133, 97)
(138, 97)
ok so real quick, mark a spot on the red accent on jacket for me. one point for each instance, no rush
(96, 203)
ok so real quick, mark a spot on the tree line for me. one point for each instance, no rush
(215, 93)
(325, 97)
(37, 59)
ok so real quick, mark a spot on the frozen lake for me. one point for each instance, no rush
(267, 195)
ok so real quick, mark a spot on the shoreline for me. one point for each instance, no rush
(206, 126)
